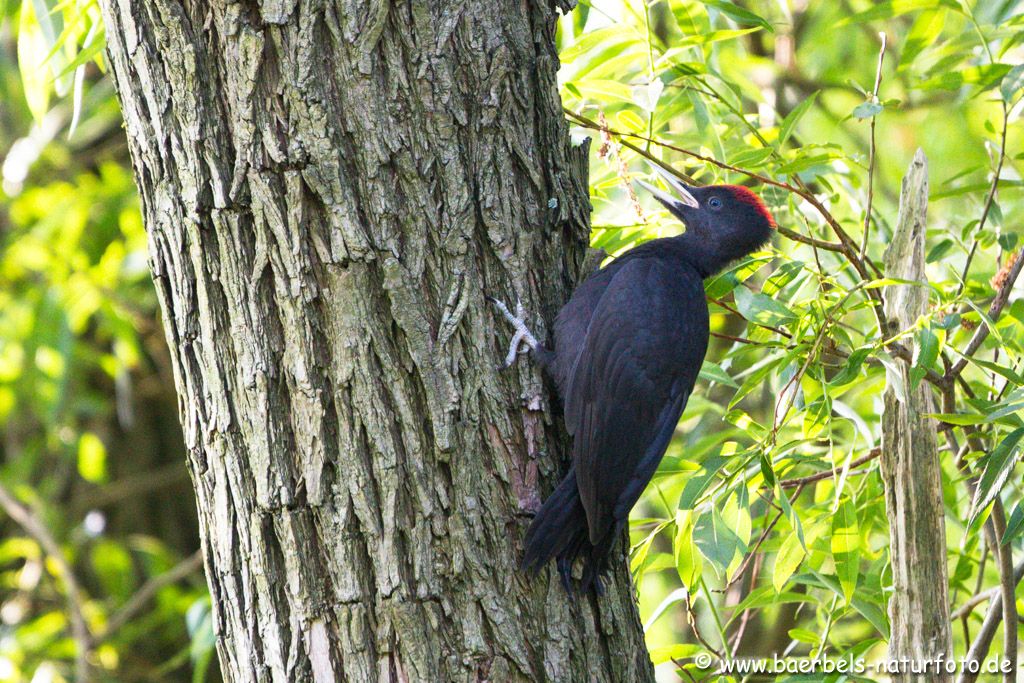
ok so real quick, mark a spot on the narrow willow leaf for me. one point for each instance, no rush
(715, 540)
(984, 76)
(1014, 525)
(851, 371)
(689, 563)
(34, 73)
(712, 372)
(805, 636)
(790, 554)
(697, 483)
(788, 123)
(743, 16)
(997, 468)
(846, 547)
(1012, 82)
(762, 309)
(961, 419)
(923, 33)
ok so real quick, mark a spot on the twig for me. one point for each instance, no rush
(1007, 586)
(24, 517)
(188, 566)
(989, 199)
(737, 638)
(984, 596)
(995, 309)
(871, 153)
(828, 474)
(691, 617)
(133, 486)
(979, 648)
(776, 330)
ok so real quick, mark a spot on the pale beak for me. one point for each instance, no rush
(683, 197)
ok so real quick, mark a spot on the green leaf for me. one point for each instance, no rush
(851, 371)
(985, 76)
(712, 372)
(86, 54)
(677, 652)
(865, 110)
(925, 354)
(697, 483)
(689, 563)
(961, 419)
(92, 458)
(603, 90)
(716, 541)
(790, 554)
(805, 636)
(31, 48)
(846, 547)
(1014, 525)
(752, 158)
(788, 123)
(612, 38)
(761, 309)
(629, 120)
(1012, 82)
(923, 33)
(741, 15)
(997, 468)
(938, 251)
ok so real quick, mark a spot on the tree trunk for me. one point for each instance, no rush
(330, 188)
(919, 606)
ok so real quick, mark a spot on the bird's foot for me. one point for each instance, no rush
(522, 335)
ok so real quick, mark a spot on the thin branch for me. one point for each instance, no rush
(186, 567)
(1007, 586)
(776, 330)
(995, 178)
(990, 594)
(828, 474)
(871, 153)
(995, 309)
(29, 521)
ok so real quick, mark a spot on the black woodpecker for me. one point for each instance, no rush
(627, 350)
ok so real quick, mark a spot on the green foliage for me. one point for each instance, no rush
(56, 40)
(770, 495)
(86, 410)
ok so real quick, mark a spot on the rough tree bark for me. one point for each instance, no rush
(329, 188)
(919, 606)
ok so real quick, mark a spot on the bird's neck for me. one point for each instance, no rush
(700, 253)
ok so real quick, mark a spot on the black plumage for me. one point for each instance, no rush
(628, 347)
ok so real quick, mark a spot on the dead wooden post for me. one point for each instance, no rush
(919, 607)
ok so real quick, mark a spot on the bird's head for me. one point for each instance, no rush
(723, 222)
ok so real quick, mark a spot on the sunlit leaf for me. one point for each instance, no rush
(997, 468)
(846, 547)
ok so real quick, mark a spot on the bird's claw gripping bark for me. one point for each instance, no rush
(522, 334)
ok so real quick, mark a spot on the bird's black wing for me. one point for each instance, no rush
(643, 350)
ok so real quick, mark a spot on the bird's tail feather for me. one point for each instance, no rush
(560, 527)
(560, 531)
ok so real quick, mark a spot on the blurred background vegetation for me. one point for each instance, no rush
(765, 530)
(90, 444)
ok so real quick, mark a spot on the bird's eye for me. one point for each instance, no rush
(715, 203)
